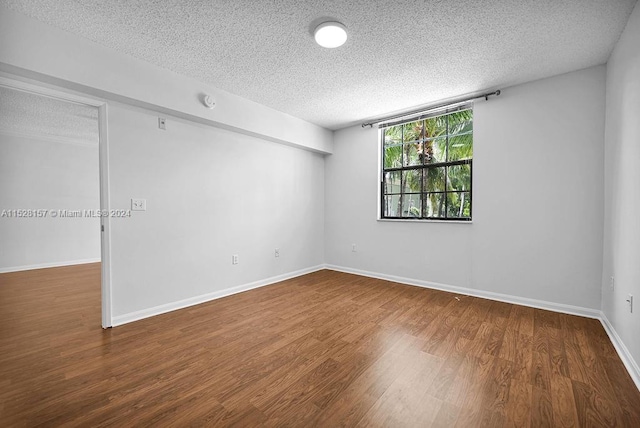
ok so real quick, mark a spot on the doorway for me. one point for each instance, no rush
(53, 181)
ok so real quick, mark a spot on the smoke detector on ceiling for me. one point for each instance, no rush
(208, 101)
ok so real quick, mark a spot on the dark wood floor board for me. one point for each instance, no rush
(325, 349)
(450, 343)
(523, 359)
(518, 408)
(593, 409)
(368, 296)
(482, 368)
(473, 316)
(303, 390)
(564, 406)
(456, 305)
(196, 410)
(494, 341)
(440, 298)
(625, 394)
(394, 317)
(546, 319)
(521, 319)
(541, 356)
(377, 342)
(424, 316)
(477, 417)
(541, 370)
(397, 408)
(541, 408)
(406, 402)
(349, 370)
(595, 368)
(278, 381)
(577, 369)
(439, 337)
(465, 384)
(498, 313)
(347, 409)
(601, 343)
(496, 394)
(400, 356)
(446, 376)
(510, 342)
(447, 416)
(478, 344)
(557, 353)
(430, 327)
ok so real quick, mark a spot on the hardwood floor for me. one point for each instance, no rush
(325, 349)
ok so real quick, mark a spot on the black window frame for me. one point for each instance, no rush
(424, 167)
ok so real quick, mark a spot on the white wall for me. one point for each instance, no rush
(37, 173)
(622, 188)
(210, 193)
(537, 200)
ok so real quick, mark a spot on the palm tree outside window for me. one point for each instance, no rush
(427, 167)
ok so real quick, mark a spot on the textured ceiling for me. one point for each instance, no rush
(32, 115)
(400, 54)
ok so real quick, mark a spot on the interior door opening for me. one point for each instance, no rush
(53, 208)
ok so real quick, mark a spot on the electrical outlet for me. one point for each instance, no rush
(612, 284)
(630, 302)
(138, 204)
(162, 123)
(353, 248)
(234, 259)
(277, 252)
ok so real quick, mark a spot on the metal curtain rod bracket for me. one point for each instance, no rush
(430, 108)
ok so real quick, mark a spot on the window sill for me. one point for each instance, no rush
(396, 220)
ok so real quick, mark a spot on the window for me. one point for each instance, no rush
(427, 166)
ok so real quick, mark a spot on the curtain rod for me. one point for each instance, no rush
(430, 108)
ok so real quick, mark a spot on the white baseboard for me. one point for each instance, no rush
(623, 352)
(540, 304)
(48, 265)
(169, 307)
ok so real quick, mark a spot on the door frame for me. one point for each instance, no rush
(38, 88)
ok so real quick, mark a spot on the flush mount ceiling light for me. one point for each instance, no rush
(330, 34)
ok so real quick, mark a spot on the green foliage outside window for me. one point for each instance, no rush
(427, 167)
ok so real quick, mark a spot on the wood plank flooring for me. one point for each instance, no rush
(325, 349)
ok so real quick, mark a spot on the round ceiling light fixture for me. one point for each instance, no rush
(330, 34)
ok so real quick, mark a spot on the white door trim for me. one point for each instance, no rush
(39, 88)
